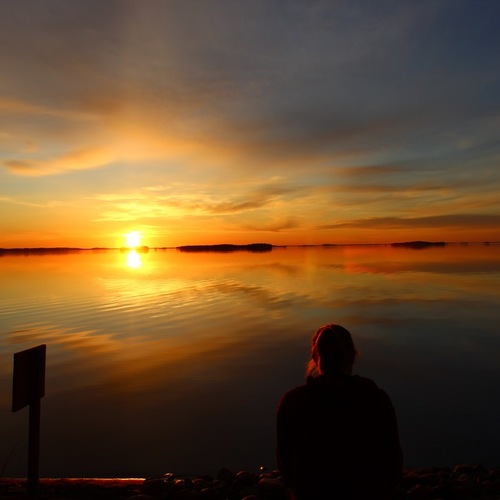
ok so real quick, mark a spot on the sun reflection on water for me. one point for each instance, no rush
(134, 260)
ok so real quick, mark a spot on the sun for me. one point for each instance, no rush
(133, 239)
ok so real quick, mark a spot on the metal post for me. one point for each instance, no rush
(34, 449)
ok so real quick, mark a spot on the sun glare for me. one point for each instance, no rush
(133, 239)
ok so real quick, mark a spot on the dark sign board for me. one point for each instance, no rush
(29, 376)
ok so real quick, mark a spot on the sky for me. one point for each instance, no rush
(241, 121)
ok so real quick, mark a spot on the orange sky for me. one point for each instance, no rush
(240, 122)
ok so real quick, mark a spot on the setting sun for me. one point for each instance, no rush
(133, 239)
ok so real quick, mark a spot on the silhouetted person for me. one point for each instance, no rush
(337, 435)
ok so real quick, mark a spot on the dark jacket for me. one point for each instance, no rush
(337, 438)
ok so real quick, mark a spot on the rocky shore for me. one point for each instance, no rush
(432, 483)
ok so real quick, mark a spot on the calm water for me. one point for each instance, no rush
(171, 361)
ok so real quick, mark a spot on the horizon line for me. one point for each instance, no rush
(237, 245)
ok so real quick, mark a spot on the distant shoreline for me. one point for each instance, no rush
(228, 247)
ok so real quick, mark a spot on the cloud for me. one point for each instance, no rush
(222, 92)
(46, 204)
(258, 198)
(21, 107)
(274, 226)
(75, 160)
(193, 200)
(307, 87)
(473, 221)
(369, 170)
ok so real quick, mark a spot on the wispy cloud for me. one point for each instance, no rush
(45, 204)
(437, 221)
(274, 226)
(370, 171)
(18, 107)
(82, 159)
(159, 201)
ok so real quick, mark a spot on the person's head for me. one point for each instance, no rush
(332, 351)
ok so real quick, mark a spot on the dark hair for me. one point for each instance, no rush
(332, 350)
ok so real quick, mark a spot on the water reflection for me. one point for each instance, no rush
(133, 259)
(179, 366)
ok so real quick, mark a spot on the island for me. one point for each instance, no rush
(252, 247)
(419, 244)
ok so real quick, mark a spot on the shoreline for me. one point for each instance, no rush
(233, 247)
(458, 482)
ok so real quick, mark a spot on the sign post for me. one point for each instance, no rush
(28, 388)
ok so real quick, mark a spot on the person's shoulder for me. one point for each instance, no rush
(294, 395)
(369, 386)
(295, 391)
(364, 382)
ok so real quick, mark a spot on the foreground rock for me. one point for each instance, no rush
(461, 482)
(225, 486)
(431, 483)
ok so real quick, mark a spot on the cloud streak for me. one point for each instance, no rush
(437, 221)
(82, 159)
(159, 201)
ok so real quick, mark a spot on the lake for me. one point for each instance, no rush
(169, 361)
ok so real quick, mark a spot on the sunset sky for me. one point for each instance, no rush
(240, 121)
